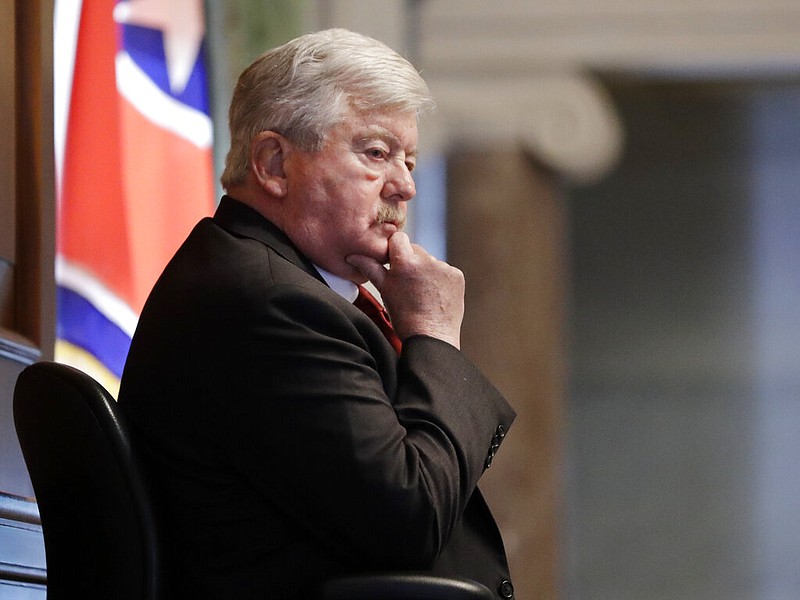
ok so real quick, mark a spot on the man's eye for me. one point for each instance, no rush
(379, 153)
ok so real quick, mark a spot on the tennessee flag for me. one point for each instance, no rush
(134, 164)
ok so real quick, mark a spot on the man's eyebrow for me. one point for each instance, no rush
(379, 133)
(383, 134)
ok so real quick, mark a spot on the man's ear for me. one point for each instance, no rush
(267, 153)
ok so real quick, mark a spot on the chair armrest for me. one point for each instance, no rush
(404, 586)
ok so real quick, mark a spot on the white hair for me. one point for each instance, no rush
(306, 86)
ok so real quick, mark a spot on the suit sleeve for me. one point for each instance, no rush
(375, 456)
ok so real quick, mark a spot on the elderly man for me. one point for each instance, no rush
(293, 436)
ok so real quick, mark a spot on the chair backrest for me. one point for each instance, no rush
(99, 531)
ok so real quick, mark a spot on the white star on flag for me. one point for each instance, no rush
(183, 27)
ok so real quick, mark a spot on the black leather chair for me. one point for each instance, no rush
(100, 534)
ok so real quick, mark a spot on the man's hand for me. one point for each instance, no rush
(423, 295)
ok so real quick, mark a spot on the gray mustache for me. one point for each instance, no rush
(390, 214)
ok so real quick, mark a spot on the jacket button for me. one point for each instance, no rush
(489, 460)
(506, 590)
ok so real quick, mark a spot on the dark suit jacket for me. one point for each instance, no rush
(286, 441)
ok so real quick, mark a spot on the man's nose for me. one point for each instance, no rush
(400, 184)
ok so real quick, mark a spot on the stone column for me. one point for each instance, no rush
(508, 154)
(507, 233)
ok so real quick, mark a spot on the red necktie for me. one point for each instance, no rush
(370, 306)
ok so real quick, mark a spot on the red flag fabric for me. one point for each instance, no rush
(134, 164)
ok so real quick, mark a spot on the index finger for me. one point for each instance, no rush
(369, 268)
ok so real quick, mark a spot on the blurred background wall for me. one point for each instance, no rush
(620, 182)
(684, 405)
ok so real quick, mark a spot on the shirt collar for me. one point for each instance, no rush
(345, 288)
